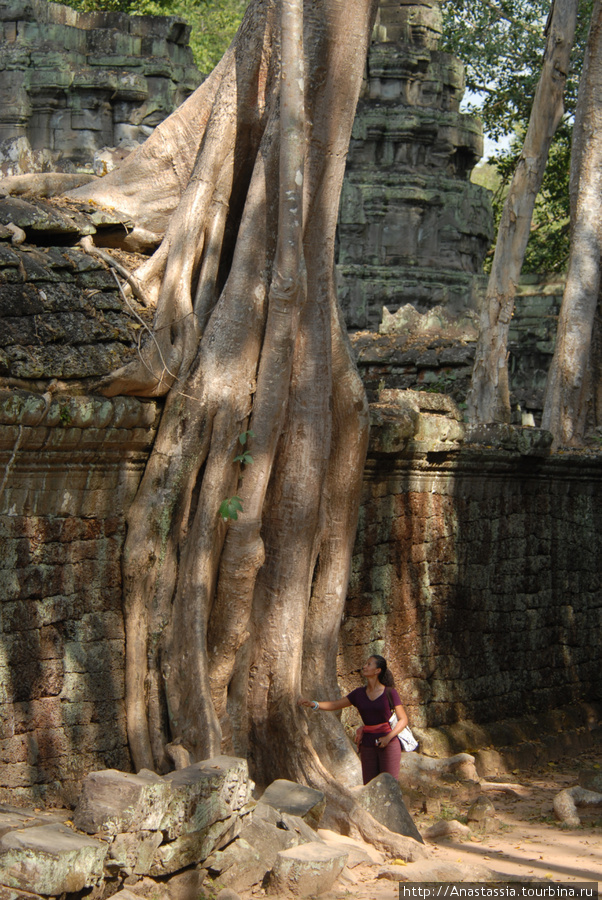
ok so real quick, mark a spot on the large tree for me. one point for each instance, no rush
(230, 614)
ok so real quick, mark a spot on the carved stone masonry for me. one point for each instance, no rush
(72, 83)
(412, 227)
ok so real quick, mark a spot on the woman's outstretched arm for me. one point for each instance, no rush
(325, 704)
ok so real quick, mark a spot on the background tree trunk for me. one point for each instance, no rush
(488, 399)
(571, 383)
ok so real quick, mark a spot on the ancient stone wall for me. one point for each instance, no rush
(72, 83)
(476, 568)
(476, 572)
(69, 469)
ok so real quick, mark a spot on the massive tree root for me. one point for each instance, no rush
(229, 620)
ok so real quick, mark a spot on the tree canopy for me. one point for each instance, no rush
(501, 45)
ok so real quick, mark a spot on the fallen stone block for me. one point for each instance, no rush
(115, 802)
(12, 817)
(7, 893)
(296, 799)
(133, 852)
(238, 867)
(481, 810)
(205, 793)
(125, 894)
(51, 860)
(299, 826)
(268, 839)
(185, 885)
(383, 799)
(306, 870)
(193, 847)
(354, 846)
(447, 828)
(426, 870)
(11, 820)
(264, 811)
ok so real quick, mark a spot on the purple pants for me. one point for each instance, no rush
(376, 760)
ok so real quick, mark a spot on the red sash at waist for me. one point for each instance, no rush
(381, 728)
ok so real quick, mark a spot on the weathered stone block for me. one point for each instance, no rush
(50, 860)
(306, 870)
(268, 839)
(193, 847)
(238, 867)
(383, 799)
(295, 799)
(115, 802)
(134, 851)
(205, 793)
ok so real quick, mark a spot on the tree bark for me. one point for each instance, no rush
(571, 385)
(228, 622)
(489, 398)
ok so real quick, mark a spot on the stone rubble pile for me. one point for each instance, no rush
(139, 832)
(172, 837)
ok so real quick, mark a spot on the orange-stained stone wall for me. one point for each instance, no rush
(477, 575)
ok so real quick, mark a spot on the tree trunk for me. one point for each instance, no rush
(570, 380)
(489, 398)
(229, 620)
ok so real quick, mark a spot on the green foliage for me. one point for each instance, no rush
(230, 508)
(502, 45)
(213, 22)
(244, 456)
(548, 247)
(65, 416)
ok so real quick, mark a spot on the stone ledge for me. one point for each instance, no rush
(18, 407)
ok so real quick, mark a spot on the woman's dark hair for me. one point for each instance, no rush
(384, 676)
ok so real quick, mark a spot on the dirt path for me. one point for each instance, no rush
(522, 840)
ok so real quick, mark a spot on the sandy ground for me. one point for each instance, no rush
(522, 840)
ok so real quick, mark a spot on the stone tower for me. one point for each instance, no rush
(412, 227)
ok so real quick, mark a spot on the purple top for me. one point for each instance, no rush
(373, 712)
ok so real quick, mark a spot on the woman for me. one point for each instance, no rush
(380, 748)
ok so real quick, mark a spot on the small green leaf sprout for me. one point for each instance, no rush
(244, 456)
(230, 508)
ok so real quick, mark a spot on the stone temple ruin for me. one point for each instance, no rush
(74, 83)
(476, 566)
(413, 228)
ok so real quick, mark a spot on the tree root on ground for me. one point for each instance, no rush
(42, 184)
